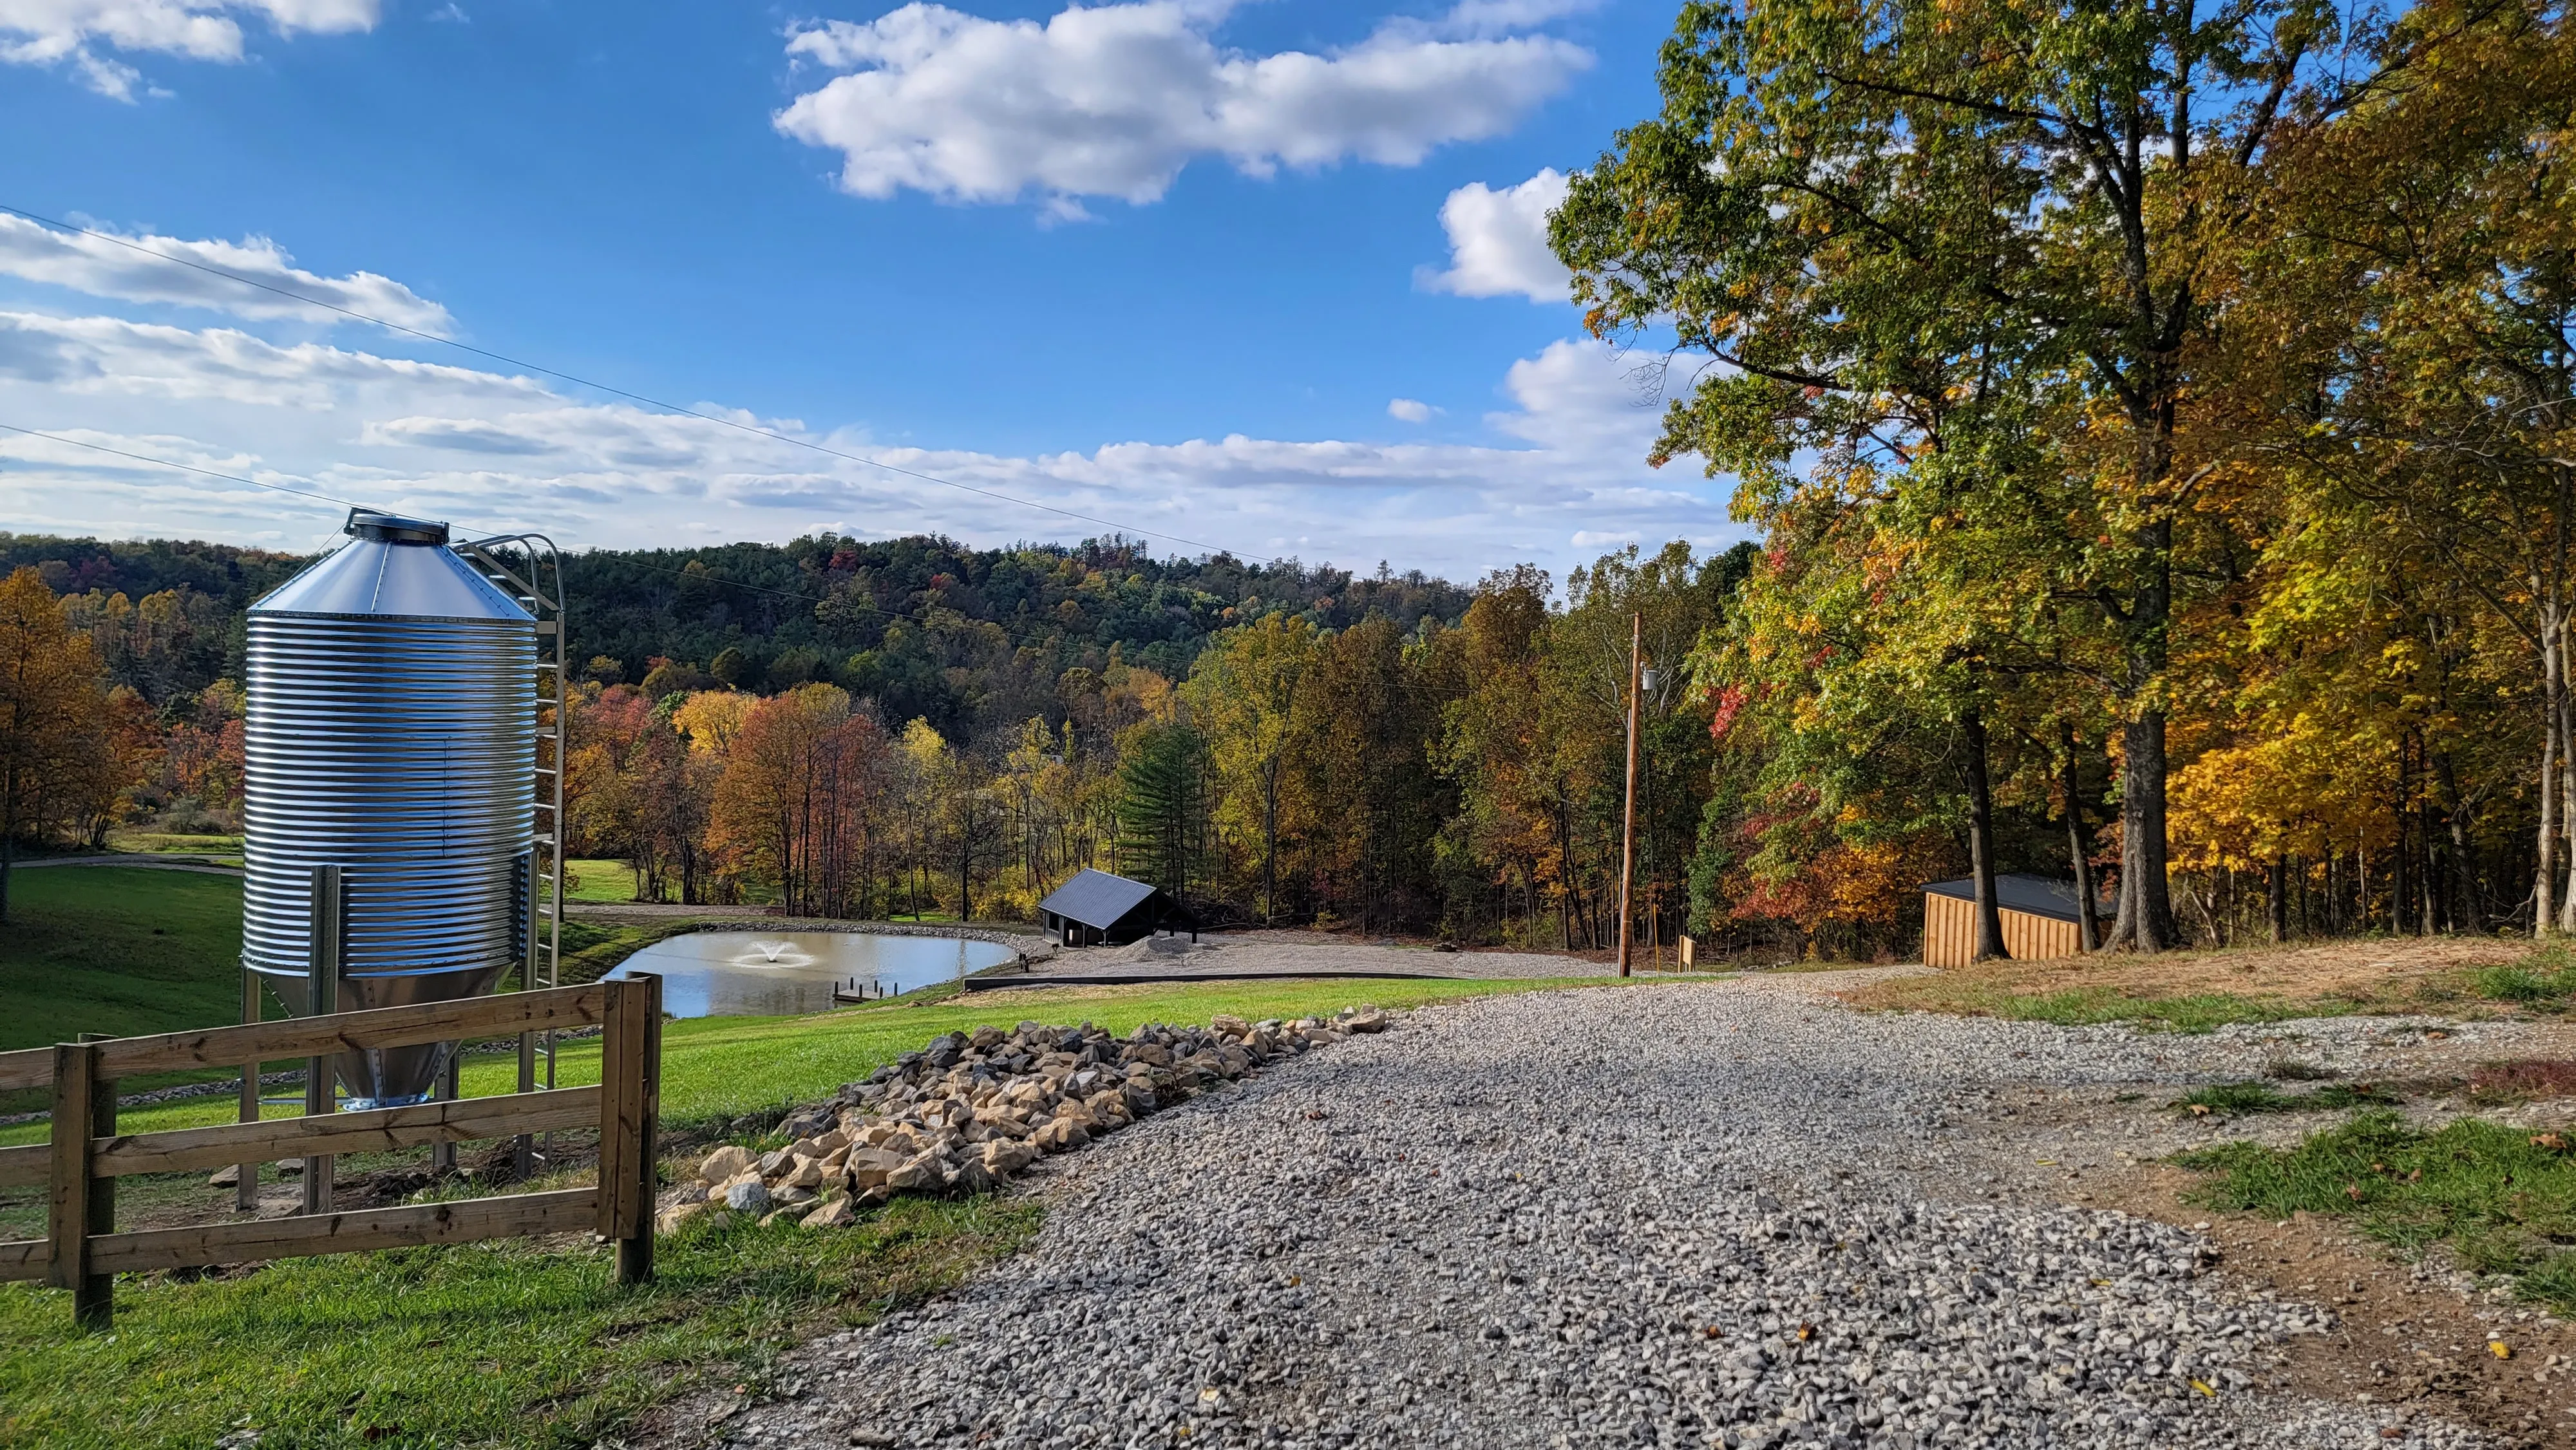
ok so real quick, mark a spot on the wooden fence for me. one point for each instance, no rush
(83, 1252)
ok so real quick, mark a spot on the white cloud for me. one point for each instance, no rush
(1408, 410)
(46, 32)
(504, 453)
(1498, 241)
(1113, 100)
(109, 355)
(104, 268)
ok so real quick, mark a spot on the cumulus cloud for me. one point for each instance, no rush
(1409, 410)
(1498, 241)
(501, 453)
(49, 32)
(1113, 100)
(103, 268)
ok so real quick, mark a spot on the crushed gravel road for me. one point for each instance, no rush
(1702, 1215)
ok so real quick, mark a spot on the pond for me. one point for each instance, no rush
(770, 974)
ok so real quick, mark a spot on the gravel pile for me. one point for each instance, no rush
(1669, 1215)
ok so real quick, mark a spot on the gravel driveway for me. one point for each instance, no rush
(1662, 1215)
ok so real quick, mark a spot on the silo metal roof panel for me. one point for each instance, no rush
(1096, 898)
(371, 576)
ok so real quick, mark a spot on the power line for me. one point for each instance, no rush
(650, 402)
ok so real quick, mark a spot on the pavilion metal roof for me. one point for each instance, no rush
(1096, 898)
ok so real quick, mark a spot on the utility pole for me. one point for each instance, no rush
(1628, 832)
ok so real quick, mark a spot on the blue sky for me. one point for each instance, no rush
(1265, 275)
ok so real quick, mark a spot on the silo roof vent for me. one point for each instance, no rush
(393, 566)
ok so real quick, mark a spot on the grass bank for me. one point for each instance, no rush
(2501, 1200)
(2202, 990)
(117, 949)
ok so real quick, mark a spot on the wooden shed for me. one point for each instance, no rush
(1098, 909)
(2039, 916)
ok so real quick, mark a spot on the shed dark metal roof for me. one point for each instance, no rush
(1096, 898)
(2030, 895)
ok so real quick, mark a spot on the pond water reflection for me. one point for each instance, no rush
(768, 974)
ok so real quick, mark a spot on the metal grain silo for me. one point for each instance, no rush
(390, 734)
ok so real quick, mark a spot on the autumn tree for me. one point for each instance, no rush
(2040, 189)
(1244, 695)
(52, 714)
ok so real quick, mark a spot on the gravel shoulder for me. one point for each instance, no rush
(1219, 955)
(1677, 1214)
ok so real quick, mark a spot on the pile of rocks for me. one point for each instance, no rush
(972, 1110)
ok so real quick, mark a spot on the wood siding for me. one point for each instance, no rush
(1950, 933)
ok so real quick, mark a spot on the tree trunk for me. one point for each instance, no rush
(2401, 897)
(1981, 840)
(8, 832)
(2277, 888)
(2145, 919)
(2566, 774)
(2088, 912)
(2544, 917)
(1270, 844)
(2471, 914)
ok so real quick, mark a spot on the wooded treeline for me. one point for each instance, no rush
(2159, 417)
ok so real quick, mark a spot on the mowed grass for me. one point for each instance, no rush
(511, 1344)
(501, 1344)
(122, 950)
(2501, 1199)
(600, 881)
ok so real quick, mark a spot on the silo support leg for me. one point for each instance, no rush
(246, 1191)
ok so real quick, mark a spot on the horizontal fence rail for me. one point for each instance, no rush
(83, 1252)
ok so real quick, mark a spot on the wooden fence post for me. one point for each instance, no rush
(629, 1098)
(644, 1096)
(83, 1205)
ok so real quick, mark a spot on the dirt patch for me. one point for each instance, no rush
(2389, 975)
(2404, 1339)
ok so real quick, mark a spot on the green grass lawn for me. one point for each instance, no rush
(2502, 1199)
(600, 881)
(499, 1344)
(515, 1345)
(117, 949)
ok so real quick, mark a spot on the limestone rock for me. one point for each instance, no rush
(869, 1167)
(671, 1220)
(1004, 1158)
(228, 1176)
(925, 1170)
(747, 1195)
(836, 1214)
